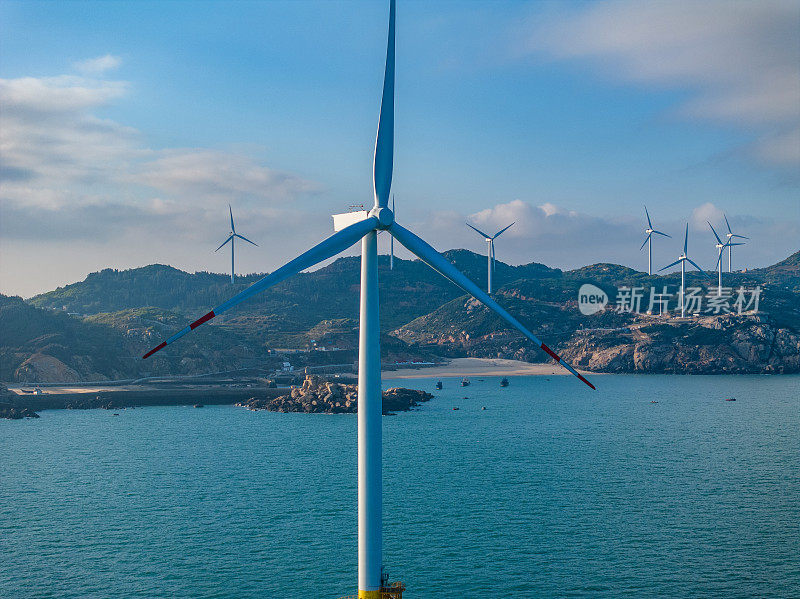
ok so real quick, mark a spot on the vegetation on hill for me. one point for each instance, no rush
(100, 327)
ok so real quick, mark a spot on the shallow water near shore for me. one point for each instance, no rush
(552, 491)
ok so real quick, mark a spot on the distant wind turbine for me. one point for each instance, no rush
(721, 248)
(231, 236)
(682, 260)
(650, 230)
(379, 218)
(730, 236)
(490, 252)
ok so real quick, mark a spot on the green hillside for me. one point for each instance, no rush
(98, 328)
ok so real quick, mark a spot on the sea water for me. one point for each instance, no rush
(551, 491)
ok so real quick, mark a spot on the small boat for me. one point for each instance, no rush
(483, 408)
(504, 382)
(199, 405)
(438, 384)
(653, 401)
(730, 399)
(455, 408)
(465, 382)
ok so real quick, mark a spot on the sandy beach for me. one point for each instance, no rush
(460, 367)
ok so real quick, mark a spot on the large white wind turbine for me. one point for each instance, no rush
(231, 237)
(682, 260)
(379, 218)
(490, 251)
(730, 237)
(650, 230)
(721, 248)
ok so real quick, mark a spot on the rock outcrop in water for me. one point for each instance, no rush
(9, 407)
(319, 396)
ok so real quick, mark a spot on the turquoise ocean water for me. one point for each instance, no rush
(552, 491)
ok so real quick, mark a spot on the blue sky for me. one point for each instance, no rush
(128, 127)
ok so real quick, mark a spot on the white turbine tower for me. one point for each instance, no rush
(730, 237)
(490, 252)
(231, 237)
(682, 260)
(650, 230)
(391, 242)
(720, 248)
(380, 218)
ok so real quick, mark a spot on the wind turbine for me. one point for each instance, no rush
(650, 230)
(379, 218)
(490, 252)
(682, 260)
(730, 236)
(720, 248)
(231, 236)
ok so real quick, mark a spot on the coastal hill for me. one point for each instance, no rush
(98, 328)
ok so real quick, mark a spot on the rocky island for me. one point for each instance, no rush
(319, 396)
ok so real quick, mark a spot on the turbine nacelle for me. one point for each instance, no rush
(383, 215)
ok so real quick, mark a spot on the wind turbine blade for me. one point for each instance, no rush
(715, 233)
(233, 229)
(437, 262)
(735, 243)
(479, 231)
(384, 142)
(727, 224)
(669, 265)
(338, 242)
(649, 224)
(693, 263)
(686, 239)
(496, 235)
(243, 238)
(664, 234)
(223, 243)
(739, 236)
(646, 239)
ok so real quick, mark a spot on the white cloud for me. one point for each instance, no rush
(72, 180)
(56, 155)
(99, 65)
(216, 176)
(739, 60)
(704, 214)
(561, 237)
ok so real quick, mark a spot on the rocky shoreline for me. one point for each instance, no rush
(11, 412)
(318, 396)
(315, 395)
(12, 405)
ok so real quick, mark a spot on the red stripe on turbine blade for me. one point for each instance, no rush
(202, 319)
(587, 382)
(154, 350)
(552, 354)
